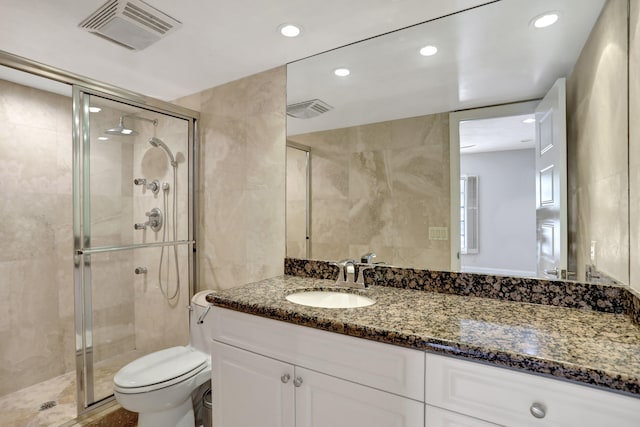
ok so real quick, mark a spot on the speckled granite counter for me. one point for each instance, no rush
(601, 349)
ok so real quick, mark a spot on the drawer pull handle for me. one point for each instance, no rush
(538, 410)
(297, 382)
(285, 378)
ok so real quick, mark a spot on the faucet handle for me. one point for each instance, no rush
(361, 269)
(344, 274)
(367, 258)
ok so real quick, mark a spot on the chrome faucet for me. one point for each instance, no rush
(344, 275)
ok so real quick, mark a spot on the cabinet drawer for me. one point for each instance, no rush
(386, 367)
(506, 397)
(436, 417)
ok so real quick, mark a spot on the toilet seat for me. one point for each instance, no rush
(159, 370)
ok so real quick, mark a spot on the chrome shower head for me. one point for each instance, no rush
(156, 142)
(121, 129)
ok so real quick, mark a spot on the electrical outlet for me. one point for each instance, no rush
(438, 233)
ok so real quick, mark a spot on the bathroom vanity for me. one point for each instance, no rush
(276, 363)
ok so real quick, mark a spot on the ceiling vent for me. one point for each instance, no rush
(130, 23)
(308, 109)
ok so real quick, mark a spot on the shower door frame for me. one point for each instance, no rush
(82, 231)
(94, 87)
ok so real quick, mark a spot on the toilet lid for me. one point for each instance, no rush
(160, 367)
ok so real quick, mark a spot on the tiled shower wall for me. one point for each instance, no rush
(36, 282)
(379, 187)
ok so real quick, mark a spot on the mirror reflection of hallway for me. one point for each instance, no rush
(497, 189)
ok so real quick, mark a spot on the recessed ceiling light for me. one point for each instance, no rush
(428, 51)
(529, 120)
(102, 138)
(545, 20)
(341, 72)
(289, 30)
(95, 109)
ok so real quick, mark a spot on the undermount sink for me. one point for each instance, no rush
(329, 299)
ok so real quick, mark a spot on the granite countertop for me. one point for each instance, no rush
(600, 349)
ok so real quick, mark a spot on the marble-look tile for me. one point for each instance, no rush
(395, 177)
(242, 148)
(431, 130)
(597, 140)
(370, 137)
(265, 156)
(329, 176)
(634, 145)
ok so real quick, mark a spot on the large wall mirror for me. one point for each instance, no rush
(425, 153)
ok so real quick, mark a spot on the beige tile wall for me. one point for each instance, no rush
(634, 144)
(379, 187)
(296, 215)
(597, 147)
(242, 179)
(36, 318)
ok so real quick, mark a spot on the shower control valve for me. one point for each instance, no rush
(155, 219)
(154, 222)
(154, 186)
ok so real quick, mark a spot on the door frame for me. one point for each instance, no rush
(455, 118)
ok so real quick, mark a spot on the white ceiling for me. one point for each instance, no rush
(219, 41)
(497, 134)
(489, 55)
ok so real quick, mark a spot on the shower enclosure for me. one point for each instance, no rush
(98, 208)
(133, 237)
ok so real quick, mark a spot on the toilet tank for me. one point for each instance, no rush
(200, 333)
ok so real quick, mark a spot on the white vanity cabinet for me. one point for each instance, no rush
(271, 373)
(510, 398)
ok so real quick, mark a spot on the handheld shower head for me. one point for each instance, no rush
(156, 142)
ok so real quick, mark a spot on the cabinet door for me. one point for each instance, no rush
(436, 417)
(250, 390)
(324, 401)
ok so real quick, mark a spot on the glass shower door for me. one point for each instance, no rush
(133, 235)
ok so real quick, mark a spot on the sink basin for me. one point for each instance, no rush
(329, 299)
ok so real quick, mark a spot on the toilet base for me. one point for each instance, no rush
(180, 416)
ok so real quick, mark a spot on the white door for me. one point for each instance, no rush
(251, 390)
(324, 401)
(551, 183)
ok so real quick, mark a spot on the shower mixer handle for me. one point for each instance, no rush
(154, 185)
(154, 222)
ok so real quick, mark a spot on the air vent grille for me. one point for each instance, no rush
(130, 23)
(308, 109)
(101, 16)
(145, 18)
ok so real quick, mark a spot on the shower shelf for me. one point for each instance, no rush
(100, 249)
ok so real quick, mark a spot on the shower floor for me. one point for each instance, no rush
(22, 408)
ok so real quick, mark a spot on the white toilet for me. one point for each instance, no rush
(159, 385)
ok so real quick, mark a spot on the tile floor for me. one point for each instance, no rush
(22, 408)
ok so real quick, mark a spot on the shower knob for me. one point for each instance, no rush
(154, 186)
(140, 181)
(140, 270)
